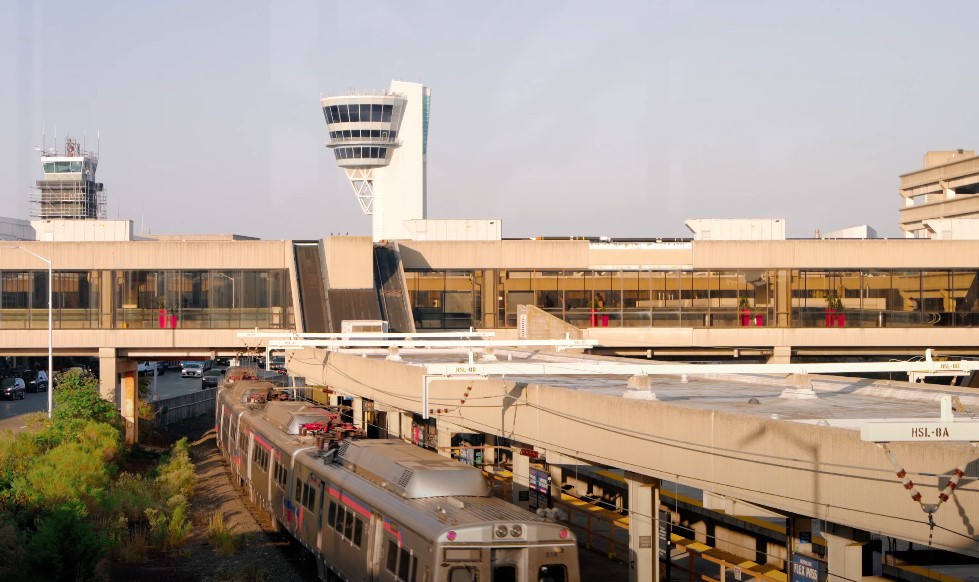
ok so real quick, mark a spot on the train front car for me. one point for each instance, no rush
(397, 512)
(507, 550)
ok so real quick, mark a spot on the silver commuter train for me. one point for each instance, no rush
(379, 509)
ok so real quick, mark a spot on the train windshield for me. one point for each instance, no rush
(463, 574)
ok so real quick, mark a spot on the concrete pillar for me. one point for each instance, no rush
(489, 452)
(521, 480)
(358, 411)
(393, 420)
(845, 554)
(105, 304)
(643, 535)
(108, 374)
(444, 441)
(130, 399)
(781, 355)
(783, 298)
(489, 298)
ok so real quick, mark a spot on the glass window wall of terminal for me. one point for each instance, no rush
(134, 299)
(702, 298)
(203, 299)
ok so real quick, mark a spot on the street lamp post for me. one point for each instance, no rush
(50, 385)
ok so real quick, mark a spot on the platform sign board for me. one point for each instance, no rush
(886, 432)
(540, 488)
(806, 569)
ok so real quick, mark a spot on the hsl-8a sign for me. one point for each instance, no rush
(806, 569)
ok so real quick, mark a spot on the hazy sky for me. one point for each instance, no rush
(561, 118)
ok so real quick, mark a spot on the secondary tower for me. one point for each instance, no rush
(380, 140)
(68, 189)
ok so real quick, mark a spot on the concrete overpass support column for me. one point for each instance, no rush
(781, 355)
(130, 399)
(108, 374)
(847, 558)
(643, 538)
(521, 480)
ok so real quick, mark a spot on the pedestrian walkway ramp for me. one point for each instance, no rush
(311, 284)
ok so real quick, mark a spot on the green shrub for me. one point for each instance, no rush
(77, 396)
(11, 551)
(179, 526)
(64, 546)
(74, 470)
(158, 527)
(129, 496)
(170, 527)
(175, 476)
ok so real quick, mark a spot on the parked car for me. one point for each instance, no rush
(33, 384)
(192, 370)
(211, 378)
(13, 388)
(147, 367)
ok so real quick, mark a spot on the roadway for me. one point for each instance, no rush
(167, 385)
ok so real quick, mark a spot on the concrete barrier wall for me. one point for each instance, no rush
(179, 408)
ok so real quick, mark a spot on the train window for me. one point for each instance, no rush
(404, 563)
(338, 524)
(505, 574)
(552, 573)
(358, 532)
(392, 561)
(464, 574)
(280, 475)
(297, 494)
(332, 517)
(310, 497)
(348, 530)
(262, 458)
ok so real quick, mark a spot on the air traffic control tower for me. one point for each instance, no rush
(380, 139)
(68, 189)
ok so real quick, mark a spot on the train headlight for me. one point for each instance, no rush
(516, 531)
(563, 534)
(501, 531)
(451, 536)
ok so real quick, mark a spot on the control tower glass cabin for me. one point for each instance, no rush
(380, 140)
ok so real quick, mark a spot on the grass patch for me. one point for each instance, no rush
(134, 546)
(223, 540)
